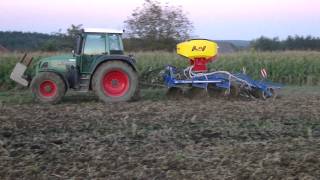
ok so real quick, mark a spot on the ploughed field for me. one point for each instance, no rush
(206, 138)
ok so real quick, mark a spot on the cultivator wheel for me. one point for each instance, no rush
(260, 94)
(48, 87)
(274, 94)
(263, 95)
(175, 93)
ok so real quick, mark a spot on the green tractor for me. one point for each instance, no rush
(97, 64)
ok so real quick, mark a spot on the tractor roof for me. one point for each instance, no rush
(102, 30)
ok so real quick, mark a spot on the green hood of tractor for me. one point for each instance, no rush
(57, 63)
(58, 57)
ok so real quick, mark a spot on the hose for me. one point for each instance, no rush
(230, 76)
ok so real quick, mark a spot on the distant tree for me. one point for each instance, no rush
(74, 30)
(156, 25)
(267, 44)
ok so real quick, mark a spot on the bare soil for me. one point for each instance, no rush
(212, 138)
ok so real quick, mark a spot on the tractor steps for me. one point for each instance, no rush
(84, 83)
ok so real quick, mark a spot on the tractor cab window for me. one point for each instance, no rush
(94, 45)
(115, 44)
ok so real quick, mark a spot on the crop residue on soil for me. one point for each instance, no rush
(191, 139)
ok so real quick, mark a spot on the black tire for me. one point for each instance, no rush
(48, 87)
(128, 72)
(137, 95)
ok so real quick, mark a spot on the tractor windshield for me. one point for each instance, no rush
(94, 45)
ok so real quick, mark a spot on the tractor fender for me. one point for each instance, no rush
(63, 77)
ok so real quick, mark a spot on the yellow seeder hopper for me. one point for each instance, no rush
(199, 52)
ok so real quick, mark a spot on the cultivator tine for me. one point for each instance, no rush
(175, 93)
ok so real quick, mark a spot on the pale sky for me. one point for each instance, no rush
(212, 19)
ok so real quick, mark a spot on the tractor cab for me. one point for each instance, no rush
(93, 41)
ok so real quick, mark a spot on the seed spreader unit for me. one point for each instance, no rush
(200, 52)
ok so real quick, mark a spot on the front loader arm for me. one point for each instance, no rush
(17, 73)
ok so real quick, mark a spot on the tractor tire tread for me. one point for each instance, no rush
(35, 86)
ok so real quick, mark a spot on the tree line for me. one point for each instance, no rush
(290, 43)
(32, 41)
(27, 41)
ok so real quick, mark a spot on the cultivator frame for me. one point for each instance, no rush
(222, 80)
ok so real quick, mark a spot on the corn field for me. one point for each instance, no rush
(288, 67)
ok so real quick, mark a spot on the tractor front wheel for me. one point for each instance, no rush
(115, 81)
(48, 87)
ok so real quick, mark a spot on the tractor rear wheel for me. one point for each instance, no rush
(115, 81)
(48, 87)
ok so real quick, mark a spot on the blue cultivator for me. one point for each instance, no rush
(197, 76)
(231, 84)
